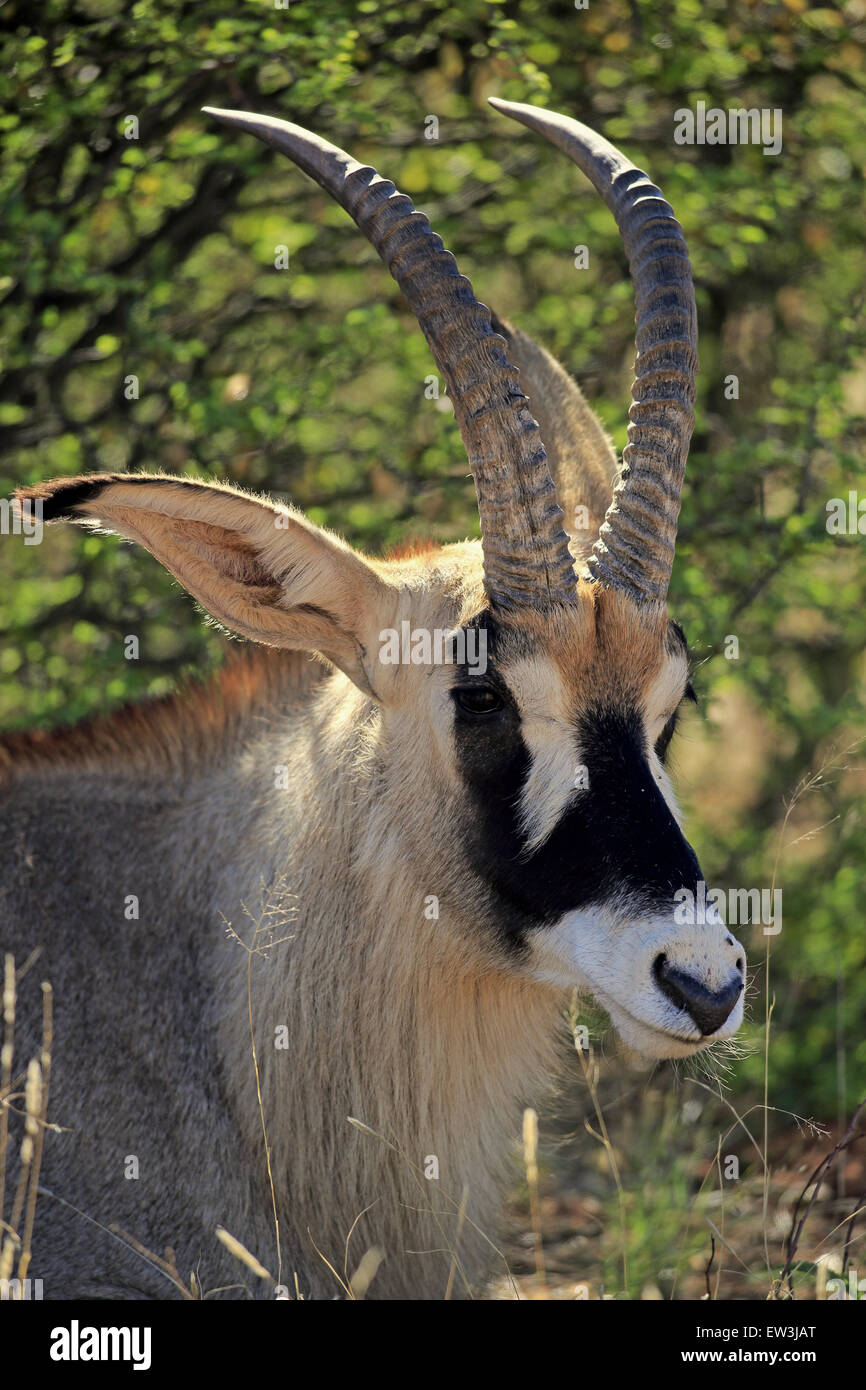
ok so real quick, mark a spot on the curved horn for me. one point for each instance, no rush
(635, 546)
(526, 556)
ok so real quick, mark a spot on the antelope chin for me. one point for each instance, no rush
(647, 1040)
(617, 961)
(661, 1038)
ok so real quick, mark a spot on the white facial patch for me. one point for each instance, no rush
(556, 773)
(662, 699)
(665, 694)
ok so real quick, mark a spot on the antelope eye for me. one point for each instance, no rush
(477, 699)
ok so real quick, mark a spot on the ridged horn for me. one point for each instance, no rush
(635, 546)
(526, 556)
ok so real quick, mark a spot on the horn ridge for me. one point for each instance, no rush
(527, 562)
(661, 417)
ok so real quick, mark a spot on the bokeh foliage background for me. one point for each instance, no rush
(154, 258)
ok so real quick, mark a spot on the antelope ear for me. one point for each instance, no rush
(260, 569)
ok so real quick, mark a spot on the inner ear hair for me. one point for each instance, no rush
(261, 569)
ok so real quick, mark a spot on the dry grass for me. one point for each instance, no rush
(30, 1104)
(688, 1232)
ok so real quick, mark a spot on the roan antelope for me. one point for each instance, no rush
(446, 854)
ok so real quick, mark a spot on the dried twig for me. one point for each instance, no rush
(851, 1135)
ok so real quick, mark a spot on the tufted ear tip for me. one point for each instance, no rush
(60, 498)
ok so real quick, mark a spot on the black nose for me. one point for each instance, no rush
(708, 1010)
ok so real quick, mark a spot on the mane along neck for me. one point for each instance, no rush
(192, 726)
(404, 1023)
